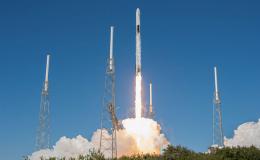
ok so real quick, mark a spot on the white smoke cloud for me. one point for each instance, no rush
(247, 134)
(146, 133)
(139, 136)
(65, 147)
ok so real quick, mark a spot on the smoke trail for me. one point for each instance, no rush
(247, 134)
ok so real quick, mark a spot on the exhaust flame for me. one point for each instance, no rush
(145, 132)
(147, 135)
(138, 109)
(138, 95)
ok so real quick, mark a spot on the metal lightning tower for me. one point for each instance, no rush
(109, 122)
(218, 140)
(43, 132)
(151, 112)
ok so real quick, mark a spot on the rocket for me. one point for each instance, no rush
(47, 74)
(138, 43)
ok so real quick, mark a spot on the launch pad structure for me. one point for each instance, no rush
(43, 132)
(109, 121)
(218, 139)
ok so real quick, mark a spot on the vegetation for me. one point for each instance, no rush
(182, 153)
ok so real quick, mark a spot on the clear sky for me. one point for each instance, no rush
(181, 42)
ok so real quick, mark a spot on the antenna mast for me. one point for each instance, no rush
(218, 139)
(43, 132)
(109, 122)
(151, 114)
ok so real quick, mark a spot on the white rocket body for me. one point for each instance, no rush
(47, 74)
(138, 42)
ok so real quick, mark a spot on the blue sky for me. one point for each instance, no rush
(181, 42)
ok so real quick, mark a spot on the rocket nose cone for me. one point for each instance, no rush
(138, 18)
(138, 11)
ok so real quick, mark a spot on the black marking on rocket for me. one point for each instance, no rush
(138, 28)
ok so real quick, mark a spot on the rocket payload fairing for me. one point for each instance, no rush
(138, 43)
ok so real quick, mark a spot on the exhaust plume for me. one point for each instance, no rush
(139, 136)
(138, 95)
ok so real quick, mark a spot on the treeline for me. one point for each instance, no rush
(182, 153)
